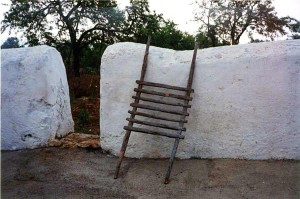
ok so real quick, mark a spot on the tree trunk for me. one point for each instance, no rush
(213, 40)
(76, 61)
(235, 41)
(212, 35)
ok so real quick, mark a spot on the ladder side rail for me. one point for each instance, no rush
(184, 109)
(130, 124)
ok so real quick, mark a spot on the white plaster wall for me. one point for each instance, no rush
(35, 97)
(246, 102)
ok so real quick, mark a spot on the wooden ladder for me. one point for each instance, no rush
(183, 101)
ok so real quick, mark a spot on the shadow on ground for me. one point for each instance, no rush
(87, 173)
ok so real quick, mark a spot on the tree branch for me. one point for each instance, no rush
(89, 42)
(89, 31)
(73, 9)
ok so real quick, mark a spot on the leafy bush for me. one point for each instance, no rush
(84, 117)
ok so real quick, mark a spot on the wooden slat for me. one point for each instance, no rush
(127, 135)
(159, 125)
(163, 94)
(141, 130)
(156, 117)
(153, 84)
(160, 101)
(159, 109)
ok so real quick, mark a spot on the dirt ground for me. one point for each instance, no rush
(85, 98)
(88, 173)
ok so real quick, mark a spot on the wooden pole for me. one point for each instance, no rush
(184, 109)
(130, 124)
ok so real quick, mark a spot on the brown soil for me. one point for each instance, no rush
(84, 95)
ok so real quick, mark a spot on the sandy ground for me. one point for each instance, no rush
(87, 173)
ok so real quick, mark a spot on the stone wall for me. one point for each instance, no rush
(35, 105)
(246, 102)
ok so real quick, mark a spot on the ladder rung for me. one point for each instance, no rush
(163, 86)
(164, 94)
(165, 126)
(159, 109)
(156, 117)
(141, 130)
(160, 101)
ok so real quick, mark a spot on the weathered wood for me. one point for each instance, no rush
(156, 117)
(161, 101)
(153, 84)
(188, 90)
(147, 131)
(145, 61)
(143, 106)
(127, 134)
(192, 70)
(163, 94)
(184, 109)
(159, 125)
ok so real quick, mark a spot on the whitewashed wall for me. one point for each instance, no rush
(246, 102)
(35, 103)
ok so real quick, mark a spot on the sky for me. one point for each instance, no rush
(181, 12)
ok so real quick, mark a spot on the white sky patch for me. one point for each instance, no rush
(181, 12)
(4, 8)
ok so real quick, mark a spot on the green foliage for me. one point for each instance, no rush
(142, 22)
(91, 57)
(11, 42)
(72, 96)
(258, 41)
(294, 26)
(205, 41)
(77, 23)
(228, 20)
(296, 36)
(168, 36)
(82, 29)
(84, 117)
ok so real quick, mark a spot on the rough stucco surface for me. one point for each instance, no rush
(35, 97)
(246, 102)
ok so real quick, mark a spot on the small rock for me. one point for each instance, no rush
(75, 140)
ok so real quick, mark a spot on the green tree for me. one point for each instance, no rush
(295, 36)
(91, 56)
(258, 40)
(143, 22)
(168, 36)
(294, 27)
(11, 42)
(206, 41)
(77, 23)
(228, 20)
